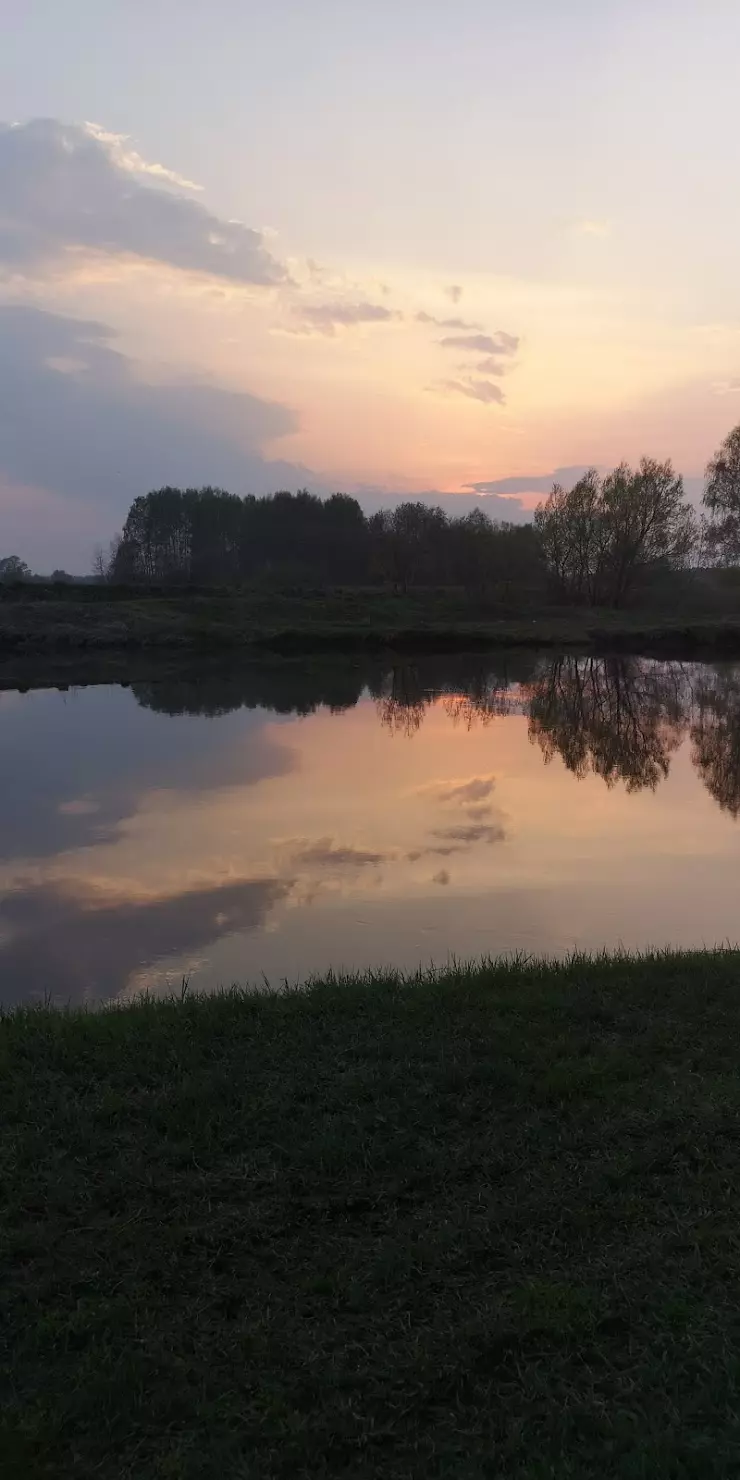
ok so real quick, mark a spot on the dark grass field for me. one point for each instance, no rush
(476, 1225)
(92, 622)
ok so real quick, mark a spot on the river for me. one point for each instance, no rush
(251, 824)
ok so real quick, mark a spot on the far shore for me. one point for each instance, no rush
(89, 634)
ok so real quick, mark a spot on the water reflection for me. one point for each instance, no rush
(72, 766)
(715, 734)
(232, 821)
(76, 941)
(620, 718)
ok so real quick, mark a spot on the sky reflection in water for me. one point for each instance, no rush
(229, 825)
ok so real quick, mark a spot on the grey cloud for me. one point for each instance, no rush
(530, 482)
(453, 291)
(429, 318)
(477, 813)
(459, 839)
(478, 832)
(476, 789)
(326, 853)
(326, 318)
(490, 366)
(435, 851)
(77, 419)
(503, 489)
(499, 343)
(454, 504)
(442, 877)
(475, 390)
(63, 188)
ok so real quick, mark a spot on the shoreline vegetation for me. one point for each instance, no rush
(109, 630)
(482, 1221)
(620, 561)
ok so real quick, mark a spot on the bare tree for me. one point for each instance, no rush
(99, 565)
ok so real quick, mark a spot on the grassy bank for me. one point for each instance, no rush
(485, 1224)
(101, 624)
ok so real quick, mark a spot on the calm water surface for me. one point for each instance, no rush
(234, 825)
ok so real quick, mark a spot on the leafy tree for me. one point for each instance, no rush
(12, 568)
(416, 544)
(722, 500)
(211, 537)
(650, 524)
(600, 537)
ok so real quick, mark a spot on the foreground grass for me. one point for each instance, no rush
(484, 1224)
(109, 626)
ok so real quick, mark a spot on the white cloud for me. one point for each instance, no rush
(120, 151)
(468, 789)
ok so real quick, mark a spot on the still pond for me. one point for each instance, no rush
(234, 824)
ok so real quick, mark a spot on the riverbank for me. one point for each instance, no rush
(101, 627)
(482, 1223)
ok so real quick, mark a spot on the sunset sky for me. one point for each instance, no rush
(388, 248)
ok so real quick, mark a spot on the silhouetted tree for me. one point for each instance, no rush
(12, 568)
(416, 545)
(599, 537)
(722, 500)
(207, 536)
(473, 551)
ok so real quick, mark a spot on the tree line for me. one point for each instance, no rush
(619, 718)
(599, 543)
(207, 536)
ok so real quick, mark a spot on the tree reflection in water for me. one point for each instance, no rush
(715, 734)
(620, 718)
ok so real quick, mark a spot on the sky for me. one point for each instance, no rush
(393, 249)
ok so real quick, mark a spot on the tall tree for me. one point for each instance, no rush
(12, 568)
(602, 536)
(722, 500)
(211, 537)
